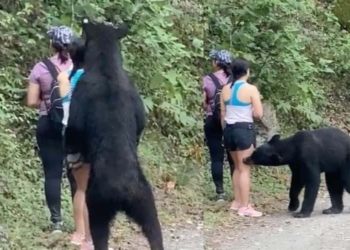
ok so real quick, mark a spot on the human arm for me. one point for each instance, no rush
(33, 89)
(204, 100)
(256, 103)
(205, 83)
(63, 83)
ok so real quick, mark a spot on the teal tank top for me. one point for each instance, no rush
(72, 84)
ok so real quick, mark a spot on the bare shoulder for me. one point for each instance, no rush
(62, 78)
(225, 87)
(252, 88)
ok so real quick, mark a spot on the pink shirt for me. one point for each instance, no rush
(209, 88)
(41, 75)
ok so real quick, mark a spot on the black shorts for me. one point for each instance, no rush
(239, 136)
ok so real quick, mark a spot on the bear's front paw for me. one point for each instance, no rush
(293, 205)
(301, 215)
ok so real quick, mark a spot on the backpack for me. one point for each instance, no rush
(55, 110)
(216, 104)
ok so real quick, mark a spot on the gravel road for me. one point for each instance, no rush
(282, 232)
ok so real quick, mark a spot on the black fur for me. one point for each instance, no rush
(105, 122)
(308, 154)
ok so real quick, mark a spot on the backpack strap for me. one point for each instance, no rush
(215, 81)
(54, 73)
(51, 67)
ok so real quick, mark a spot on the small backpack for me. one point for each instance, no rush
(216, 104)
(55, 110)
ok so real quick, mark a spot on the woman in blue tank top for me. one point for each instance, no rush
(240, 102)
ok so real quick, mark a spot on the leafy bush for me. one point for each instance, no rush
(298, 53)
(295, 48)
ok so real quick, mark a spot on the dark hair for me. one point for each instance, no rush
(62, 52)
(225, 68)
(76, 51)
(239, 68)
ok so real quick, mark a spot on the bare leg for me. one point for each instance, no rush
(244, 184)
(87, 224)
(244, 175)
(81, 176)
(235, 178)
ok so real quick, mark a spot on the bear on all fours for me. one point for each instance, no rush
(308, 154)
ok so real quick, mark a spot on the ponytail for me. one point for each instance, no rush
(234, 79)
(63, 55)
(225, 68)
(239, 68)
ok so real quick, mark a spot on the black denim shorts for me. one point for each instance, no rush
(239, 136)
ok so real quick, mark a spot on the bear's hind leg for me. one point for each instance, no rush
(335, 189)
(312, 178)
(296, 186)
(141, 208)
(101, 215)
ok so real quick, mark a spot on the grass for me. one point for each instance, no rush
(192, 199)
(161, 163)
(269, 187)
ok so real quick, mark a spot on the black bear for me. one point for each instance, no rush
(103, 127)
(308, 154)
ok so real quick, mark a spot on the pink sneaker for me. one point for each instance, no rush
(88, 245)
(77, 239)
(249, 212)
(235, 205)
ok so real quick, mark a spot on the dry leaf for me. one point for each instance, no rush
(170, 185)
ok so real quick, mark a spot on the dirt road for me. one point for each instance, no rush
(282, 232)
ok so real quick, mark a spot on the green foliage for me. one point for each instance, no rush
(163, 54)
(341, 9)
(293, 47)
(298, 55)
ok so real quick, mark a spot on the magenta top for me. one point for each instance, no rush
(41, 75)
(209, 89)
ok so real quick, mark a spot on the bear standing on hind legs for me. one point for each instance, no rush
(308, 154)
(103, 130)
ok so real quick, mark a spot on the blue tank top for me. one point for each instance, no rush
(236, 110)
(72, 84)
(234, 98)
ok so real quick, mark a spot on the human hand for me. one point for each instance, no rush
(74, 161)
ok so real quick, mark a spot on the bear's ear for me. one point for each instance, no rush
(122, 30)
(274, 139)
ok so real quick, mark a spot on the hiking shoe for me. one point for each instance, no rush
(77, 239)
(220, 197)
(235, 206)
(249, 212)
(88, 245)
(57, 227)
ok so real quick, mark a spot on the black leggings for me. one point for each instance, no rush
(49, 139)
(214, 138)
